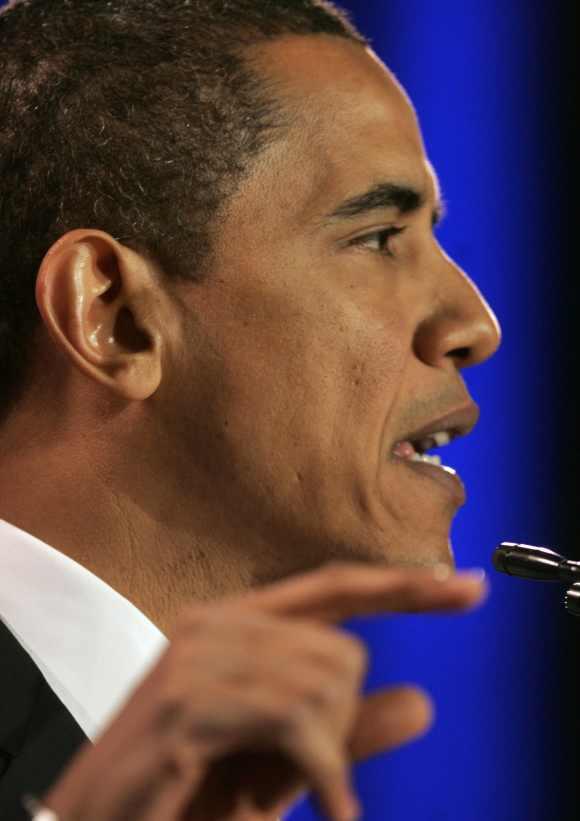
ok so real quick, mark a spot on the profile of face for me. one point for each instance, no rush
(327, 344)
(294, 388)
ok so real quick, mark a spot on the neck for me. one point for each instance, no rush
(156, 548)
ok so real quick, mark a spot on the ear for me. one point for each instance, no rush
(101, 303)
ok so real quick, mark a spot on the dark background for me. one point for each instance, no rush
(496, 88)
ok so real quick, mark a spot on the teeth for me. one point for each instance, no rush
(430, 460)
(435, 440)
(442, 438)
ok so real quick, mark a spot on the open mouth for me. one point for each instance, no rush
(417, 450)
(413, 449)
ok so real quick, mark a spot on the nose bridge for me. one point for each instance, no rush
(462, 326)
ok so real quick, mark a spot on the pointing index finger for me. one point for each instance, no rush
(342, 591)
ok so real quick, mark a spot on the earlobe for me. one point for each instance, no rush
(97, 300)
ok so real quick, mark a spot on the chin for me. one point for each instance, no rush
(421, 551)
(401, 541)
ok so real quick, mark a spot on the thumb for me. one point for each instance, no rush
(389, 719)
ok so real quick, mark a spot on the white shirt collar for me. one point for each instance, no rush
(91, 644)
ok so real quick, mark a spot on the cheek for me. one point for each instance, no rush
(324, 368)
(316, 409)
(302, 377)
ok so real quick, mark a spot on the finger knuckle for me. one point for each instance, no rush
(275, 719)
(294, 717)
(170, 703)
(356, 654)
(191, 621)
(318, 692)
(349, 653)
(337, 576)
(333, 766)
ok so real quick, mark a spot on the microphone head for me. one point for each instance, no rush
(572, 600)
(541, 564)
(499, 556)
(528, 561)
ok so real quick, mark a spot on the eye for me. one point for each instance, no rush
(378, 241)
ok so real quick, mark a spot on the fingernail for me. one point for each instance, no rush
(478, 574)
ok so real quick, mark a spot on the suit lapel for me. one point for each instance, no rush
(38, 736)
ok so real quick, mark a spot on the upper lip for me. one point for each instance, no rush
(456, 423)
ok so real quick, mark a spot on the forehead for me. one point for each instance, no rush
(352, 125)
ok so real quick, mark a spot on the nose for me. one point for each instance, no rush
(460, 327)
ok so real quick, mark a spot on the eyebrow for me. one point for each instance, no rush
(405, 198)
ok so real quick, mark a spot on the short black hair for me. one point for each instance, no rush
(137, 117)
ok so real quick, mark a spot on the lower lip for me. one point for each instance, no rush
(447, 479)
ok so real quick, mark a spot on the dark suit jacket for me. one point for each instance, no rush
(38, 736)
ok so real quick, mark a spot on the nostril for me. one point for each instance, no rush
(461, 354)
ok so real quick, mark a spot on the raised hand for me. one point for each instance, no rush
(257, 699)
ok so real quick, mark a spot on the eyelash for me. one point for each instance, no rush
(384, 234)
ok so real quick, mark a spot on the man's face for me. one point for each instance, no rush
(330, 333)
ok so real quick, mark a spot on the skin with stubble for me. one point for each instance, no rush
(218, 437)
